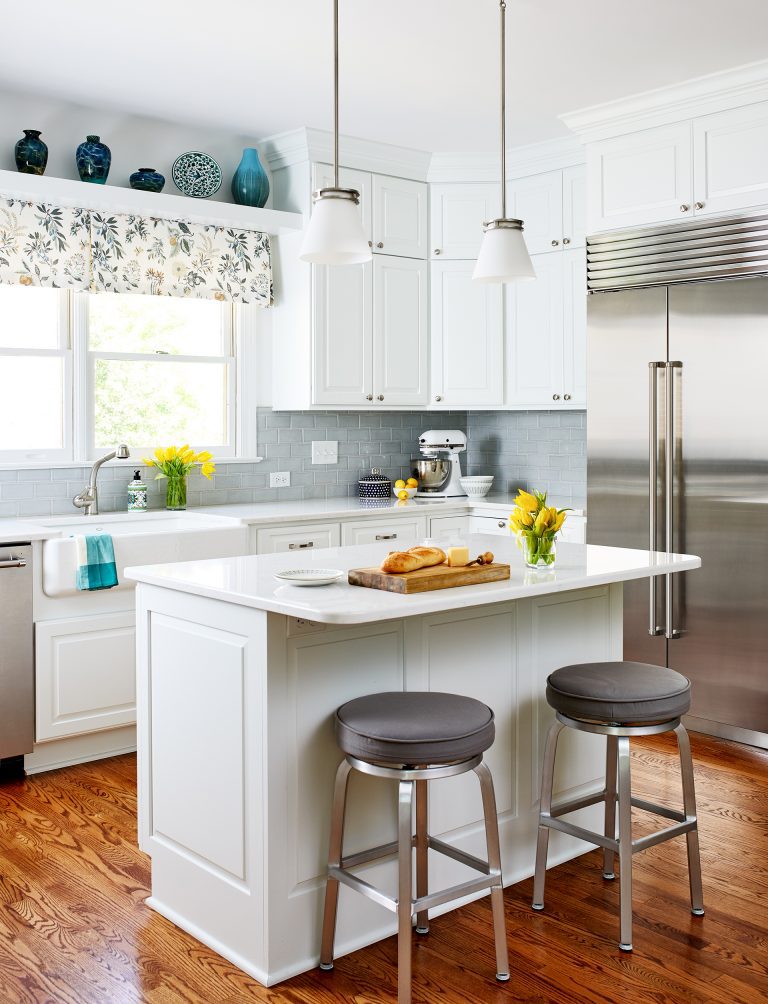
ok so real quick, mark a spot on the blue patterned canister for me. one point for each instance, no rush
(31, 153)
(147, 179)
(374, 486)
(93, 159)
(250, 184)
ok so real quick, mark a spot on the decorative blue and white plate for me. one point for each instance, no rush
(196, 174)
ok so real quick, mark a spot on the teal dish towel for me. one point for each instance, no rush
(95, 562)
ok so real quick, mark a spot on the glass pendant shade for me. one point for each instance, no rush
(335, 234)
(503, 255)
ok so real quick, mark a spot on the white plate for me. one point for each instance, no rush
(310, 576)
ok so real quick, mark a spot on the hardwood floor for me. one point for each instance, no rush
(74, 928)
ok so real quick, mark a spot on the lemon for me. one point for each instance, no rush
(403, 496)
(400, 484)
(411, 483)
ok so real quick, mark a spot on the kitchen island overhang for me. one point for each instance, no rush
(238, 679)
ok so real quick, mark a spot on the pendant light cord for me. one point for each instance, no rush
(503, 11)
(335, 93)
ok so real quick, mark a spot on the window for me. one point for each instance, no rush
(80, 372)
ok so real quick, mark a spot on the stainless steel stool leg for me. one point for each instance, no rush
(494, 863)
(422, 853)
(611, 754)
(405, 891)
(689, 807)
(625, 844)
(545, 807)
(334, 861)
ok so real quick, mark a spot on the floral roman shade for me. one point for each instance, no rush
(45, 245)
(42, 245)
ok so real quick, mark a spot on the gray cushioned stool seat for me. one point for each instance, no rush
(619, 692)
(414, 728)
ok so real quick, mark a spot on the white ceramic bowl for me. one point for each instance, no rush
(476, 487)
(411, 491)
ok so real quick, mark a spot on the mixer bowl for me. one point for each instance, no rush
(432, 473)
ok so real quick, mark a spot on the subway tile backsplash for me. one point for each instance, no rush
(528, 449)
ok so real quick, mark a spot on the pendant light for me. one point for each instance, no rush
(503, 255)
(335, 234)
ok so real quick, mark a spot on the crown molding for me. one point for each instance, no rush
(714, 92)
(534, 158)
(300, 145)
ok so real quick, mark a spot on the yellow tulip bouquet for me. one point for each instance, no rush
(175, 463)
(536, 525)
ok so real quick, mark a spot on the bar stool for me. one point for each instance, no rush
(619, 700)
(413, 738)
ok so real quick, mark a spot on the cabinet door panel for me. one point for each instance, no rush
(399, 217)
(534, 326)
(645, 177)
(343, 337)
(467, 337)
(730, 156)
(575, 206)
(538, 202)
(395, 532)
(298, 538)
(457, 216)
(400, 331)
(322, 177)
(85, 675)
(575, 327)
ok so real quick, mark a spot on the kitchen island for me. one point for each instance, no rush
(238, 679)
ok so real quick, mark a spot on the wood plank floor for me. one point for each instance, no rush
(74, 928)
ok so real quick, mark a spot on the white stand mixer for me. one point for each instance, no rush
(439, 468)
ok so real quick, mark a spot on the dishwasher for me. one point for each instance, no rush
(17, 674)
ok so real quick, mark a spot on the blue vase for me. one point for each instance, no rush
(31, 153)
(250, 184)
(93, 159)
(147, 179)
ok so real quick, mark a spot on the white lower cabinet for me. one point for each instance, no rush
(446, 527)
(294, 537)
(394, 531)
(84, 674)
(489, 524)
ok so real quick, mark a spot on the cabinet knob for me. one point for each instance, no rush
(684, 208)
(380, 397)
(503, 524)
(698, 205)
(566, 240)
(437, 251)
(438, 397)
(555, 243)
(369, 397)
(566, 397)
(379, 245)
(555, 397)
(370, 244)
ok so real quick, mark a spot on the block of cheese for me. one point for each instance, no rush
(458, 556)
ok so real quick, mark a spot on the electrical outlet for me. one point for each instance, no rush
(325, 452)
(280, 479)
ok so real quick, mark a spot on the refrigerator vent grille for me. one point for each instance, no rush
(707, 249)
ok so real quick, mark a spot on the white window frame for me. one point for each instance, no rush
(62, 351)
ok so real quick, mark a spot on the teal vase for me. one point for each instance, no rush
(250, 184)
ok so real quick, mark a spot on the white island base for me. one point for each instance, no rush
(239, 678)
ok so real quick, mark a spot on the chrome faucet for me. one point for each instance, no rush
(88, 498)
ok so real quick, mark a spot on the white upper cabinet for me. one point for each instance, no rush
(538, 201)
(343, 335)
(730, 159)
(467, 338)
(641, 178)
(458, 212)
(574, 207)
(400, 331)
(399, 218)
(575, 328)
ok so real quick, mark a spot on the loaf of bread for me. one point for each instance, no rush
(398, 562)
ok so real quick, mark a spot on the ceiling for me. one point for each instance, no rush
(420, 73)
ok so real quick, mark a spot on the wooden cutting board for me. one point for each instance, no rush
(424, 580)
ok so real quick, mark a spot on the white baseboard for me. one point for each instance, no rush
(80, 749)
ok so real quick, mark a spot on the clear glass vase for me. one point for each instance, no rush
(176, 492)
(538, 552)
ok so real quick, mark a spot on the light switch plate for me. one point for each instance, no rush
(325, 452)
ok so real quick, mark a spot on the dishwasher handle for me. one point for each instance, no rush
(14, 563)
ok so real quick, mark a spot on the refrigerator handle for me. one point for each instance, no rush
(669, 490)
(653, 496)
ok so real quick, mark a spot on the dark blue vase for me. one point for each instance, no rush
(31, 153)
(93, 160)
(250, 184)
(147, 179)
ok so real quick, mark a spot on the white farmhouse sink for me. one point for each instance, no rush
(139, 539)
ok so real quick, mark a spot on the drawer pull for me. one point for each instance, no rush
(503, 524)
(386, 536)
(299, 547)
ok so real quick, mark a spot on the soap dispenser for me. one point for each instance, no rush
(137, 494)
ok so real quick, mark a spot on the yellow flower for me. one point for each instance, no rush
(205, 455)
(148, 461)
(526, 501)
(160, 454)
(560, 520)
(520, 520)
(207, 470)
(544, 520)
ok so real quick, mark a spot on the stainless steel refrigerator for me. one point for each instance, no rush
(677, 443)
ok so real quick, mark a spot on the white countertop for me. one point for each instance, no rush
(21, 531)
(249, 581)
